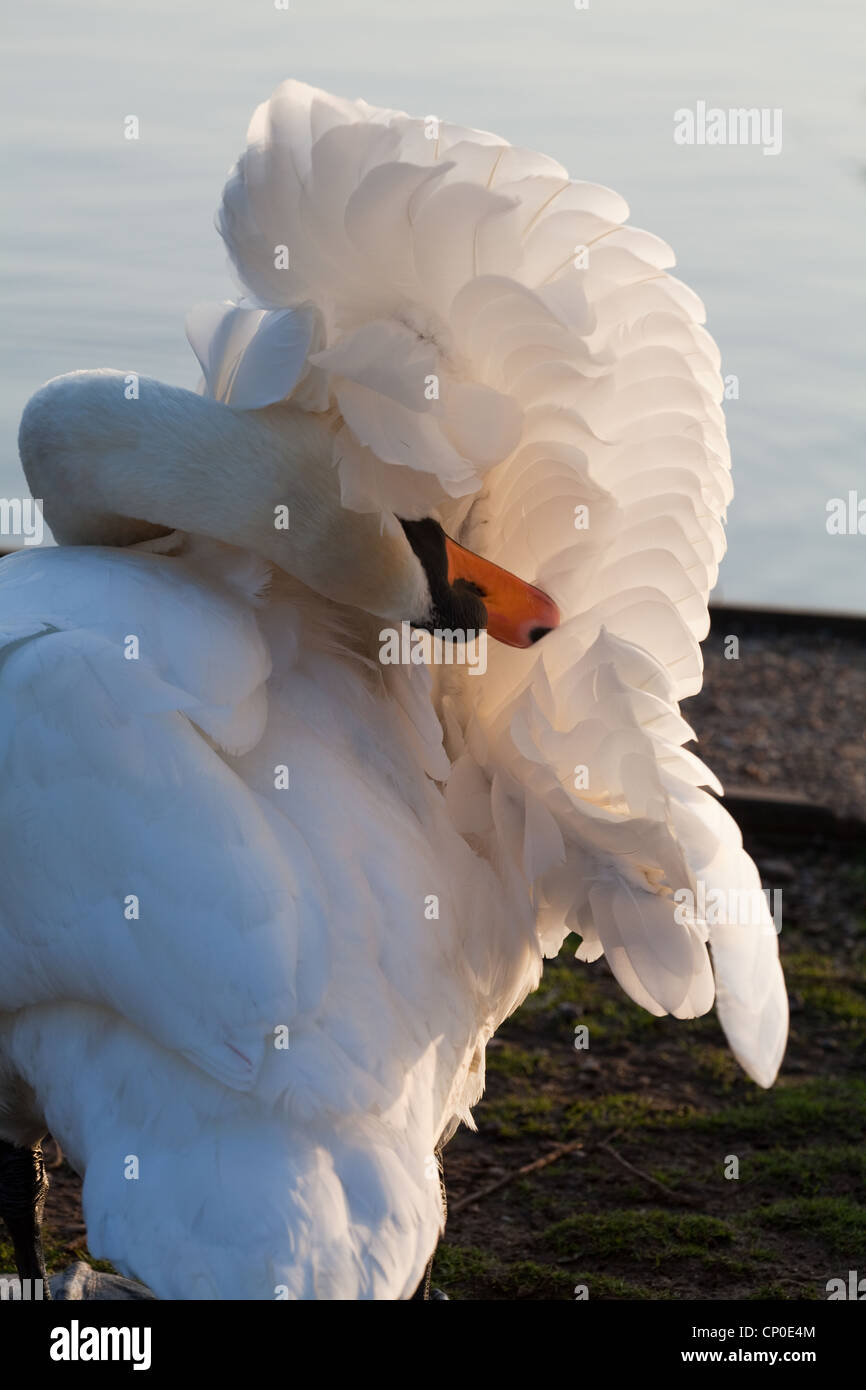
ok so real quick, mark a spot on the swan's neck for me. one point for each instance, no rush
(113, 471)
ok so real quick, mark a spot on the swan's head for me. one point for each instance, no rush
(469, 593)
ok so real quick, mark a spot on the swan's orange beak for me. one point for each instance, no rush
(518, 614)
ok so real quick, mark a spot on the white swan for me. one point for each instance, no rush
(227, 827)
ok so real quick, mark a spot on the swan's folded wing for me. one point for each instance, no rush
(615, 839)
(138, 871)
(613, 502)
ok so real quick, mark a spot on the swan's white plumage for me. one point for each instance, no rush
(415, 252)
(430, 249)
(258, 908)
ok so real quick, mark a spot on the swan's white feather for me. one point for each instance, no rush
(259, 908)
(517, 281)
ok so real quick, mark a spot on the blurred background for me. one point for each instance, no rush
(607, 1167)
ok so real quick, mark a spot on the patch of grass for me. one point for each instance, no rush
(719, 1066)
(775, 1292)
(612, 1286)
(826, 994)
(465, 1271)
(807, 1172)
(525, 1277)
(525, 1113)
(569, 983)
(57, 1256)
(837, 1223)
(652, 1235)
(792, 1109)
(619, 1110)
(511, 1060)
(460, 1266)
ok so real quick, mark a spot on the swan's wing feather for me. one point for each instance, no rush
(573, 433)
(252, 358)
(743, 925)
(131, 673)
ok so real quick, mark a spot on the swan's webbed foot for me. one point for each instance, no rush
(23, 1185)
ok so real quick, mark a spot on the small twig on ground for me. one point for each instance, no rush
(560, 1151)
(669, 1193)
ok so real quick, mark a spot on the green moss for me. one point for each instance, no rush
(736, 1269)
(775, 1291)
(836, 1223)
(621, 1110)
(604, 1286)
(719, 1067)
(827, 994)
(460, 1265)
(514, 1115)
(653, 1235)
(57, 1256)
(806, 1172)
(464, 1270)
(510, 1060)
(525, 1278)
(792, 1109)
(596, 1002)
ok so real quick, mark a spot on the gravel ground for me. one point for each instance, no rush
(788, 715)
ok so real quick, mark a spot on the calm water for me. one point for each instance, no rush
(111, 240)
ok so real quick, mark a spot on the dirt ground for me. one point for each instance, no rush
(643, 1204)
(644, 1209)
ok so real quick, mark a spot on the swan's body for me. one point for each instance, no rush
(259, 909)
(390, 906)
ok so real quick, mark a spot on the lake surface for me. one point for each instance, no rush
(108, 241)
